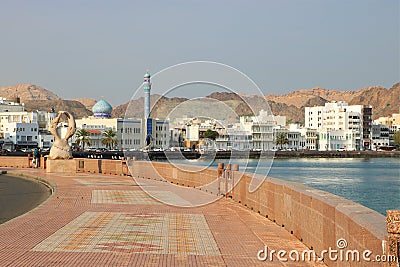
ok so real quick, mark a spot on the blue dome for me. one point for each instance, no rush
(102, 109)
(147, 75)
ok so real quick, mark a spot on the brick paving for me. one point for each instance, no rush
(100, 220)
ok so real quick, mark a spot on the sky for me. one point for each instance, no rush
(95, 48)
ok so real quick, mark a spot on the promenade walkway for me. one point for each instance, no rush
(101, 220)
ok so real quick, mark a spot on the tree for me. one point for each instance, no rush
(281, 139)
(109, 139)
(210, 134)
(82, 137)
(396, 139)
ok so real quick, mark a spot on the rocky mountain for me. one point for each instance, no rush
(77, 109)
(239, 105)
(87, 102)
(27, 92)
(38, 98)
(163, 106)
(384, 101)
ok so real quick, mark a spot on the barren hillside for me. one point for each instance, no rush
(27, 92)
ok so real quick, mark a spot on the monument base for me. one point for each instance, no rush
(61, 165)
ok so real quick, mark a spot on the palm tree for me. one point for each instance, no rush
(109, 139)
(82, 137)
(281, 139)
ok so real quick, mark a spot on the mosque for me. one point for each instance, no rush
(132, 133)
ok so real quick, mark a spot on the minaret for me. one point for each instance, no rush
(146, 88)
(148, 131)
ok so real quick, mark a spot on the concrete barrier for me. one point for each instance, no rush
(16, 162)
(92, 165)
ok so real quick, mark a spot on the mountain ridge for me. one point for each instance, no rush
(385, 101)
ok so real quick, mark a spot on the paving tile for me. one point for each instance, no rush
(102, 220)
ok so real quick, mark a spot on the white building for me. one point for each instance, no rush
(262, 129)
(341, 119)
(162, 134)
(252, 133)
(129, 133)
(11, 105)
(20, 134)
(234, 138)
(380, 136)
(37, 120)
(308, 137)
(45, 140)
(19, 129)
(195, 129)
(337, 140)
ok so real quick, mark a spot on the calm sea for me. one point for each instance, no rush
(373, 182)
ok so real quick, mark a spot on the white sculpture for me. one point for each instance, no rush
(60, 148)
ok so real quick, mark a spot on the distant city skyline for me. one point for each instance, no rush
(101, 48)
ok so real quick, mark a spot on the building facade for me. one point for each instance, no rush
(11, 105)
(341, 119)
(380, 136)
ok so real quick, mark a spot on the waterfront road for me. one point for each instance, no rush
(101, 220)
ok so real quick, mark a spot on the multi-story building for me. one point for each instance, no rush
(341, 119)
(337, 140)
(252, 133)
(299, 138)
(195, 129)
(380, 136)
(162, 134)
(263, 128)
(129, 133)
(234, 138)
(308, 137)
(19, 129)
(392, 122)
(39, 120)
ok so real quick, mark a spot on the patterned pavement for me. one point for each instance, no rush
(135, 197)
(171, 233)
(100, 220)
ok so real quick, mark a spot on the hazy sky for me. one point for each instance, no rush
(94, 48)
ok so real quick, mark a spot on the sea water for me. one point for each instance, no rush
(372, 182)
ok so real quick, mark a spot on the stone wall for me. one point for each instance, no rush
(393, 229)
